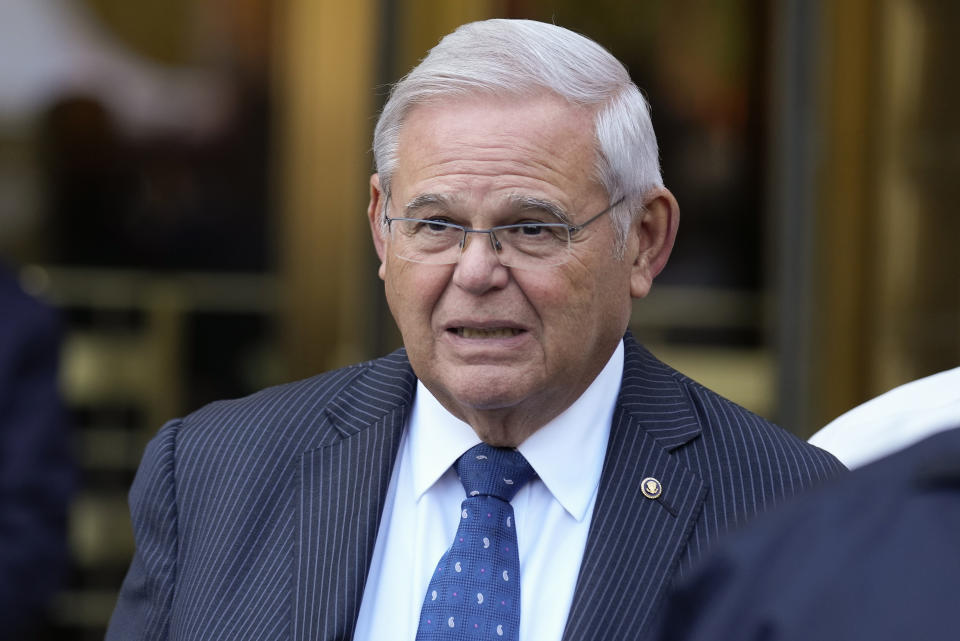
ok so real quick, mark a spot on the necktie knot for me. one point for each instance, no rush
(493, 471)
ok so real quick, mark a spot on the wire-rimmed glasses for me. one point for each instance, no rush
(526, 245)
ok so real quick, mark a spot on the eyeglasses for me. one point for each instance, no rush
(527, 245)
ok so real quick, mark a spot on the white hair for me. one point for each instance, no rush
(524, 57)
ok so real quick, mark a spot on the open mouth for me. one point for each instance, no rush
(490, 332)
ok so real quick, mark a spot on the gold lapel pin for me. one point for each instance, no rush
(651, 487)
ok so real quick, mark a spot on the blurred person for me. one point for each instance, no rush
(873, 556)
(36, 468)
(517, 211)
(894, 420)
(57, 49)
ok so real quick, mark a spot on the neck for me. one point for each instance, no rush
(504, 433)
(511, 426)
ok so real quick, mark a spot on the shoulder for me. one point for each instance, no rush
(719, 418)
(732, 445)
(281, 421)
(893, 420)
(725, 421)
(25, 321)
(888, 525)
(243, 455)
(927, 472)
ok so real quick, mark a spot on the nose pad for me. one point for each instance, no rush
(470, 262)
(495, 242)
(480, 270)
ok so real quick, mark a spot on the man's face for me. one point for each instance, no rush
(497, 345)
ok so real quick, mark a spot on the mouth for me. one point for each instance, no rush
(486, 332)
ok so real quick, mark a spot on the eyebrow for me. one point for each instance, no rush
(520, 202)
(427, 200)
(529, 202)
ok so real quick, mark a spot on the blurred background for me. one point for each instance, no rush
(185, 182)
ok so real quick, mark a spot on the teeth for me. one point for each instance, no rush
(497, 332)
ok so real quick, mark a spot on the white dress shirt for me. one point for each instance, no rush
(894, 420)
(553, 512)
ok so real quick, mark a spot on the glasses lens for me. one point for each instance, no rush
(534, 245)
(426, 241)
(525, 246)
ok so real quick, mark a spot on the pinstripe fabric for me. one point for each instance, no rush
(256, 518)
(718, 464)
(231, 508)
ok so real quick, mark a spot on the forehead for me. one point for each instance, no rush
(479, 146)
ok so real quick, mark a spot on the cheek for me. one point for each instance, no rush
(583, 303)
(413, 291)
(562, 300)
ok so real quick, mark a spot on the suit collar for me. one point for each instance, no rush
(654, 395)
(342, 488)
(378, 388)
(635, 543)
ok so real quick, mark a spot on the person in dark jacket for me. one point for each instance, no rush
(872, 556)
(36, 470)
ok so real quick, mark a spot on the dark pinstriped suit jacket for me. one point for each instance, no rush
(256, 518)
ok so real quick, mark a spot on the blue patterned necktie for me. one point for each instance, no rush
(475, 590)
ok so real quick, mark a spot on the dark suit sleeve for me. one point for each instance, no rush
(143, 608)
(36, 467)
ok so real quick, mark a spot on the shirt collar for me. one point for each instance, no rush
(567, 453)
(437, 439)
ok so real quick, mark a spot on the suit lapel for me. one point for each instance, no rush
(635, 543)
(343, 487)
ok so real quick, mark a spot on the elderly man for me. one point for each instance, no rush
(523, 469)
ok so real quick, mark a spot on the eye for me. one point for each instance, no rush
(531, 229)
(535, 231)
(436, 225)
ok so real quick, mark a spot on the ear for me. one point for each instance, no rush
(376, 229)
(653, 234)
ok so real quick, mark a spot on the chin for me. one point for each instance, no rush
(481, 397)
(490, 386)
(497, 439)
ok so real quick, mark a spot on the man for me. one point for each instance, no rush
(517, 211)
(872, 557)
(36, 465)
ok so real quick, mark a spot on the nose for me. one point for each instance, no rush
(479, 268)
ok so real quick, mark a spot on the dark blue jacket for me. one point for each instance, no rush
(874, 556)
(36, 474)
